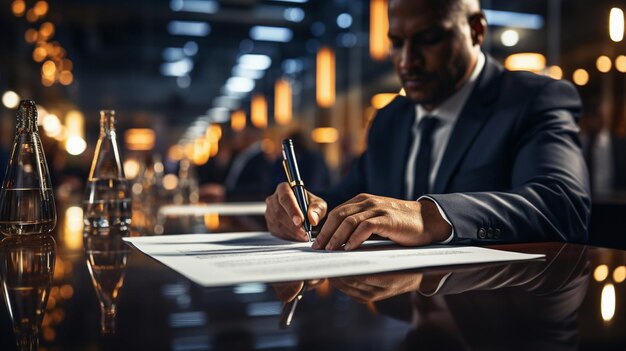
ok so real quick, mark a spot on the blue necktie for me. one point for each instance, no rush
(427, 126)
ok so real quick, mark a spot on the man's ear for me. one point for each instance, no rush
(478, 27)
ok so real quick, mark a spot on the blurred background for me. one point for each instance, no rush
(205, 90)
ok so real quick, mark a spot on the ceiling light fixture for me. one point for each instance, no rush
(240, 71)
(199, 6)
(266, 33)
(254, 61)
(239, 85)
(513, 19)
(189, 28)
(177, 68)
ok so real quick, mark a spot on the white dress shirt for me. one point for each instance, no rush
(447, 113)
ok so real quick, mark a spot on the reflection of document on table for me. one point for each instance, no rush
(226, 209)
(235, 258)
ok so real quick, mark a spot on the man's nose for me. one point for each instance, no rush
(410, 57)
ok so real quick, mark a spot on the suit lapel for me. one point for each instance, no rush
(473, 116)
(401, 146)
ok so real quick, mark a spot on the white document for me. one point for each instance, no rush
(231, 208)
(235, 258)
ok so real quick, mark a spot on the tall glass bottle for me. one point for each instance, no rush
(26, 198)
(107, 204)
(106, 261)
(26, 272)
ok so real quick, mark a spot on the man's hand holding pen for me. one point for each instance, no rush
(410, 223)
(284, 218)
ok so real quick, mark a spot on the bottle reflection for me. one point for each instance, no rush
(27, 267)
(106, 260)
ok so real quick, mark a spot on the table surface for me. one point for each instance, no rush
(569, 300)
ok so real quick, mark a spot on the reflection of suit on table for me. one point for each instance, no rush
(528, 305)
(512, 170)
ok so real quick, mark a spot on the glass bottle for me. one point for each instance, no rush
(26, 198)
(107, 203)
(106, 260)
(26, 271)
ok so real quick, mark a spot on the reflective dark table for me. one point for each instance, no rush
(94, 296)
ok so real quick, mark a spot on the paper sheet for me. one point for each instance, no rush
(235, 258)
(231, 208)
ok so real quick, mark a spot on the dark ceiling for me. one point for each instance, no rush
(117, 48)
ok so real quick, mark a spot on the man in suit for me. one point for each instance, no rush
(472, 154)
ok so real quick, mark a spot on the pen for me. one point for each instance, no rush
(289, 308)
(295, 182)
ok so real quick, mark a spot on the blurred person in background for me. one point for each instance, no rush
(311, 163)
(604, 149)
(249, 173)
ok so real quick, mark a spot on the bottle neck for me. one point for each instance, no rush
(27, 117)
(107, 123)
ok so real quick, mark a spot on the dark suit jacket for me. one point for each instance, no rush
(512, 171)
(253, 181)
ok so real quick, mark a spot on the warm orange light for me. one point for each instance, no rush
(18, 7)
(268, 146)
(619, 274)
(30, 36)
(580, 77)
(402, 92)
(67, 65)
(325, 79)
(47, 81)
(379, 26)
(282, 102)
(31, 16)
(620, 63)
(212, 221)
(526, 61)
(73, 231)
(607, 302)
(214, 132)
(140, 139)
(170, 181)
(201, 151)
(616, 24)
(325, 135)
(603, 64)
(213, 135)
(381, 100)
(49, 68)
(601, 273)
(176, 153)
(75, 123)
(66, 77)
(555, 72)
(39, 54)
(238, 120)
(40, 8)
(46, 30)
(258, 111)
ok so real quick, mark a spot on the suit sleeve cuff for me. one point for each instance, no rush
(443, 215)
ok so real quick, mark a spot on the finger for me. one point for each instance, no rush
(357, 294)
(317, 209)
(335, 217)
(364, 230)
(288, 202)
(288, 231)
(346, 229)
(287, 291)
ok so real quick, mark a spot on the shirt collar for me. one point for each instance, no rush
(449, 110)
